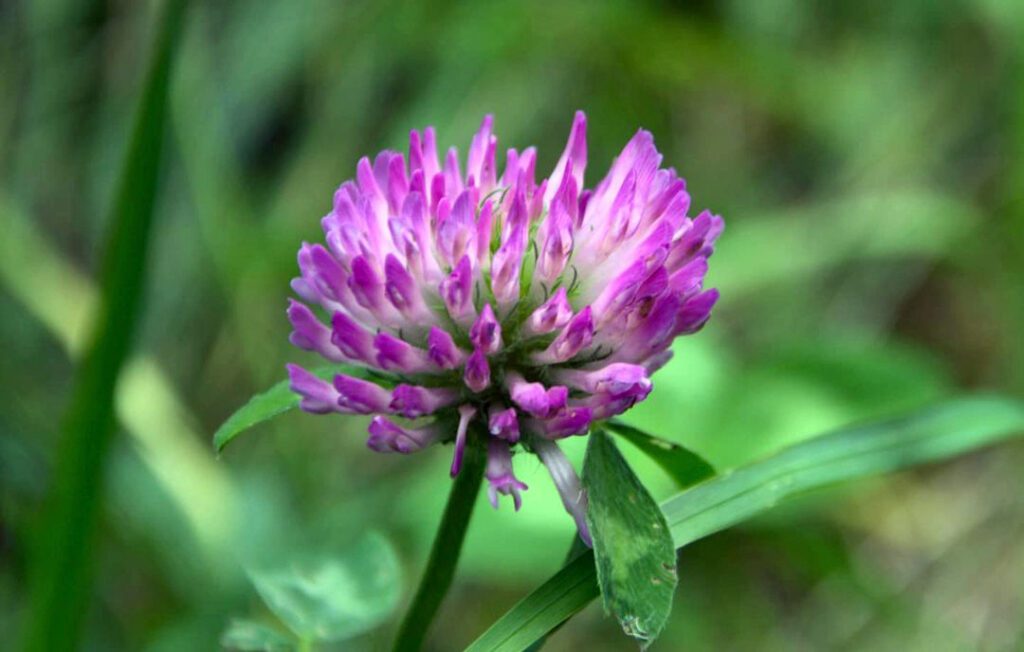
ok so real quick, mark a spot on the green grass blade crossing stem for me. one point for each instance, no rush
(932, 434)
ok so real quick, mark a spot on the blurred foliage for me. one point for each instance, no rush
(333, 596)
(868, 158)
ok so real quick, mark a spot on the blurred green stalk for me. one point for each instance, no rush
(62, 554)
(1013, 218)
(444, 553)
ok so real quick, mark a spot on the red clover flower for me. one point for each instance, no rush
(528, 309)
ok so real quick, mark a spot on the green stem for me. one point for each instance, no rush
(444, 554)
(61, 564)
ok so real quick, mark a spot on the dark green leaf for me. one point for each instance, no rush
(929, 435)
(334, 597)
(251, 636)
(269, 404)
(636, 561)
(61, 586)
(686, 467)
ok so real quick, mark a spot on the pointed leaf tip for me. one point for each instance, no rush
(271, 403)
(633, 548)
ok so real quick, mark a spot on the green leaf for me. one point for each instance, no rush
(62, 564)
(686, 467)
(928, 435)
(636, 561)
(334, 597)
(252, 636)
(271, 403)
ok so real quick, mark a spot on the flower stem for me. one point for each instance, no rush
(444, 554)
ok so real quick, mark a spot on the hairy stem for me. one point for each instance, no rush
(444, 554)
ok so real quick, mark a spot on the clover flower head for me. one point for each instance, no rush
(526, 310)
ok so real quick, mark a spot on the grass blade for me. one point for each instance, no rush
(61, 570)
(929, 435)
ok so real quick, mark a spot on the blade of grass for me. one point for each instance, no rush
(576, 549)
(61, 567)
(153, 415)
(932, 434)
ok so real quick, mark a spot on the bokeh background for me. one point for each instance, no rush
(868, 157)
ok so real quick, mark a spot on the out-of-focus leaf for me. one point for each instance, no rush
(334, 597)
(269, 404)
(686, 467)
(846, 229)
(928, 435)
(251, 636)
(636, 561)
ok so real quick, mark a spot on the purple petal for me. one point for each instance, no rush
(531, 397)
(485, 334)
(361, 396)
(456, 231)
(351, 339)
(567, 423)
(456, 291)
(366, 285)
(394, 354)
(413, 401)
(687, 280)
(499, 474)
(653, 333)
(574, 159)
(311, 334)
(323, 272)
(605, 406)
(401, 288)
(552, 314)
(386, 436)
(534, 398)
(616, 379)
(397, 182)
(318, 396)
(504, 424)
(452, 175)
(575, 337)
(484, 228)
(555, 236)
(442, 349)
(507, 262)
(478, 149)
(695, 312)
(477, 374)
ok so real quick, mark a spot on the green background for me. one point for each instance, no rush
(868, 158)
